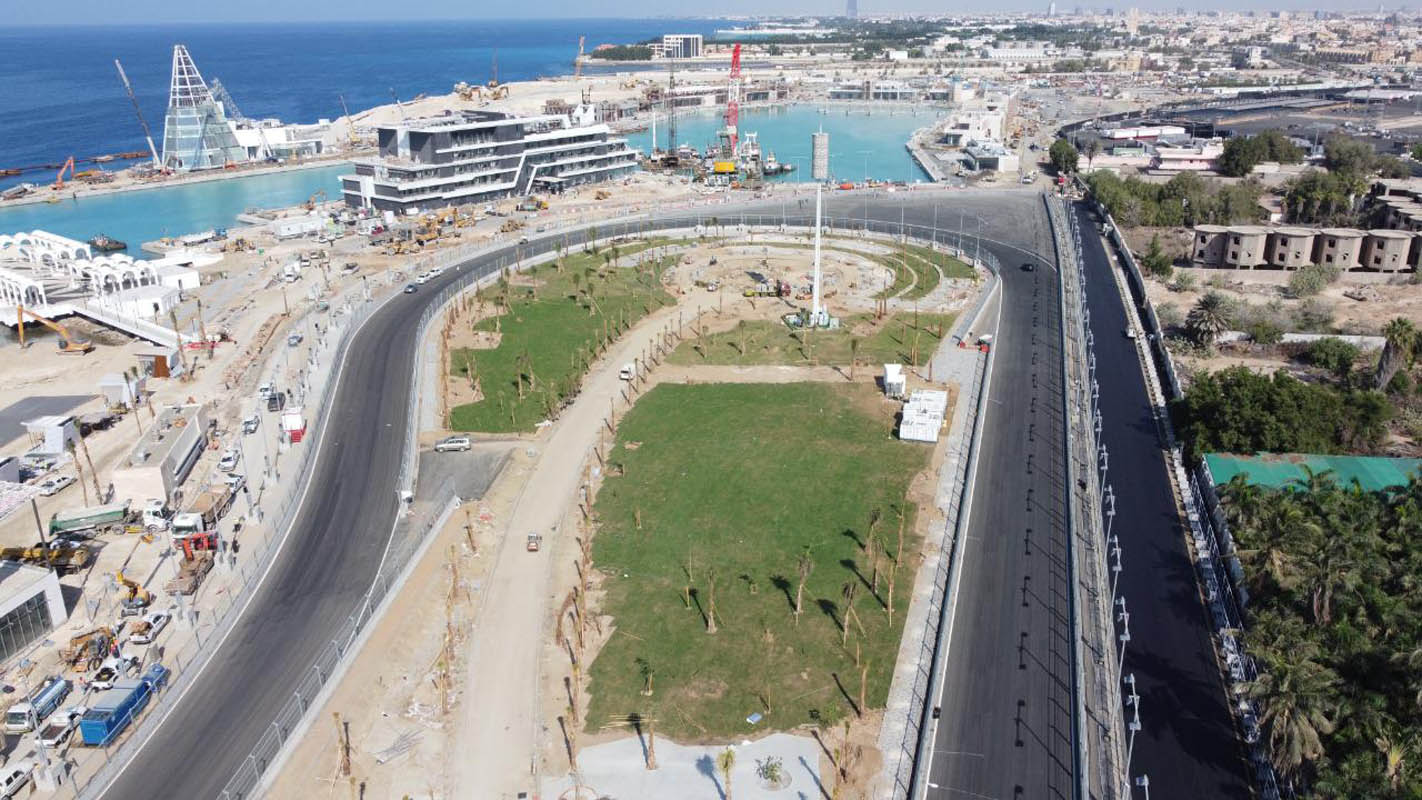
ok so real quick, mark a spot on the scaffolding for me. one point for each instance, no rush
(195, 131)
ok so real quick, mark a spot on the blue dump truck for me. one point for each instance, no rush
(115, 709)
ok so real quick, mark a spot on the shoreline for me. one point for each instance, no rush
(207, 176)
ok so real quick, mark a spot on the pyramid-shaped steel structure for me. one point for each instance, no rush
(195, 131)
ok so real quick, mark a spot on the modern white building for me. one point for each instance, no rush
(31, 605)
(478, 156)
(679, 45)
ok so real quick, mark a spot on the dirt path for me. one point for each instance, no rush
(500, 727)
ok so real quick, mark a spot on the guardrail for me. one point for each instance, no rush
(496, 258)
(1214, 552)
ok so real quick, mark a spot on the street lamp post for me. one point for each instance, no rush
(1125, 619)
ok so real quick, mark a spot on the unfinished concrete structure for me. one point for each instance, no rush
(1209, 247)
(1386, 250)
(1338, 247)
(1290, 248)
(1246, 246)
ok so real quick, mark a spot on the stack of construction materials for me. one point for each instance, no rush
(923, 415)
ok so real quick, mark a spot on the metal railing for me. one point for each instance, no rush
(1214, 553)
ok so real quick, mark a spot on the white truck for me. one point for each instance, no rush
(27, 715)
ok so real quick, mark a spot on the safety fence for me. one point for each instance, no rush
(1214, 551)
(469, 265)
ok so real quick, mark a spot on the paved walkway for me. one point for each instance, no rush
(618, 770)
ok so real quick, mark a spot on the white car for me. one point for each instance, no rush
(15, 777)
(147, 629)
(1130, 333)
(422, 278)
(228, 462)
(435, 272)
(235, 482)
(52, 485)
(453, 443)
(293, 340)
(265, 390)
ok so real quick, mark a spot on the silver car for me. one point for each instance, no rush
(452, 443)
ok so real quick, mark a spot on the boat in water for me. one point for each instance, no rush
(107, 244)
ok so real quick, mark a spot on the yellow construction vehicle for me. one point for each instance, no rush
(67, 342)
(60, 559)
(603, 194)
(467, 91)
(88, 650)
(499, 92)
(138, 597)
(311, 201)
(511, 225)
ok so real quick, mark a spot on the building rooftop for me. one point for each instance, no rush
(20, 580)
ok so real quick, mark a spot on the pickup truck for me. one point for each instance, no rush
(62, 727)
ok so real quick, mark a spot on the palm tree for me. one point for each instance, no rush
(1208, 319)
(1295, 700)
(1399, 351)
(725, 762)
(803, 568)
(853, 354)
(1093, 146)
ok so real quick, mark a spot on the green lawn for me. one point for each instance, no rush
(776, 343)
(549, 332)
(742, 478)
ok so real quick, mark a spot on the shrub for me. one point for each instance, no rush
(1156, 261)
(1266, 332)
(1312, 279)
(1332, 354)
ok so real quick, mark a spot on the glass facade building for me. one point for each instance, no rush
(24, 625)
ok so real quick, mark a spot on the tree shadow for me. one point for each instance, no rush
(845, 694)
(783, 584)
(815, 776)
(849, 533)
(636, 721)
(707, 766)
(696, 600)
(831, 610)
(853, 566)
(567, 742)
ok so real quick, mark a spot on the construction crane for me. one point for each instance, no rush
(67, 343)
(733, 97)
(350, 123)
(59, 179)
(229, 106)
(157, 162)
(494, 79)
(578, 62)
(398, 107)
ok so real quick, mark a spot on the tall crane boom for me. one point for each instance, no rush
(578, 62)
(157, 162)
(733, 97)
(350, 123)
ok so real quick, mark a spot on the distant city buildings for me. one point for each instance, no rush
(678, 45)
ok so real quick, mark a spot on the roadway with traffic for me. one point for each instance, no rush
(1188, 744)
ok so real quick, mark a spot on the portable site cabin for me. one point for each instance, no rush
(895, 381)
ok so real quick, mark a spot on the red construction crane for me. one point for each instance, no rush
(733, 97)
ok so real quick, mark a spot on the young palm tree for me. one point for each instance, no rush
(1208, 319)
(803, 568)
(1399, 351)
(725, 762)
(1296, 699)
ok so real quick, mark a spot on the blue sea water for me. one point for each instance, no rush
(60, 94)
(863, 143)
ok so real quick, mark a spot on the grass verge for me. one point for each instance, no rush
(773, 342)
(735, 482)
(555, 320)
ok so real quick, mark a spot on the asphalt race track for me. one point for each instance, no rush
(1188, 744)
(992, 701)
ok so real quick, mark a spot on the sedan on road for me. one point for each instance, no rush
(452, 443)
(51, 486)
(411, 288)
(228, 461)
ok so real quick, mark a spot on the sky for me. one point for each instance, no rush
(106, 12)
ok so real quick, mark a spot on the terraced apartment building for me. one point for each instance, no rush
(482, 156)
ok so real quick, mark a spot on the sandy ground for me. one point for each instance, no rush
(498, 644)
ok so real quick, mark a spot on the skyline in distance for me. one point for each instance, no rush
(152, 12)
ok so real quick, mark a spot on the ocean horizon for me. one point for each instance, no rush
(71, 101)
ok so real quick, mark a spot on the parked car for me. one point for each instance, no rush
(450, 443)
(14, 777)
(265, 390)
(147, 629)
(276, 402)
(251, 423)
(113, 668)
(293, 340)
(52, 485)
(235, 482)
(411, 288)
(228, 462)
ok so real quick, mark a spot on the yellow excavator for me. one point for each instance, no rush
(63, 560)
(67, 342)
(311, 201)
(138, 597)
